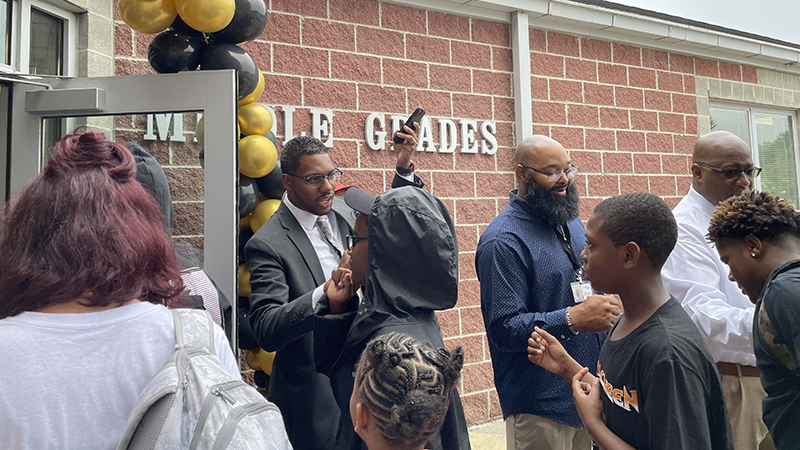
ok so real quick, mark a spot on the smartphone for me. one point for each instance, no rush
(416, 116)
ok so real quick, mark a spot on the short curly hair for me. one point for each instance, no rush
(760, 214)
(296, 148)
(406, 384)
(642, 218)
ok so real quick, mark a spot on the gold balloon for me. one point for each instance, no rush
(251, 357)
(263, 212)
(265, 360)
(200, 132)
(207, 16)
(256, 94)
(255, 119)
(244, 223)
(148, 16)
(257, 156)
(244, 281)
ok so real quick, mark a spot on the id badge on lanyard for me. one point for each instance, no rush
(581, 290)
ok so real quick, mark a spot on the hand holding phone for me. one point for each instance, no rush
(416, 116)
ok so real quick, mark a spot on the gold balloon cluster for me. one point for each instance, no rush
(154, 16)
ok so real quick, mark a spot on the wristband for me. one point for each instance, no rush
(404, 171)
(569, 321)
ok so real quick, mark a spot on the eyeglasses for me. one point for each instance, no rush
(353, 240)
(555, 176)
(733, 174)
(316, 180)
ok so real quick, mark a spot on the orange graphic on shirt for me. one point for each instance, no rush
(624, 398)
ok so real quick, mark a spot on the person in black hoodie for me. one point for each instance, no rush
(405, 255)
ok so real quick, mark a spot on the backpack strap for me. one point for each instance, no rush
(194, 329)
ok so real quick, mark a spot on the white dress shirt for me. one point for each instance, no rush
(695, 276)
(328, 258)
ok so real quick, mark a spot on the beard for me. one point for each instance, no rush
(558, 210)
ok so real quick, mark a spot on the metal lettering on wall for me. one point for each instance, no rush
(469, 136)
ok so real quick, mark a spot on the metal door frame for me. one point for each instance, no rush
(212, 93)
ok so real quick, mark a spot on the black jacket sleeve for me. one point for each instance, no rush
(399, 181)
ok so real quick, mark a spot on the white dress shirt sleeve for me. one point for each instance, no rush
(695, 277)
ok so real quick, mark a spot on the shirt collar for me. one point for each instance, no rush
(702, 203)
(306, 219)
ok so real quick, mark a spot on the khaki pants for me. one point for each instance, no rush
(529, 432)
(743, 397)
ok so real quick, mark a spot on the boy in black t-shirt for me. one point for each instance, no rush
(656, 385)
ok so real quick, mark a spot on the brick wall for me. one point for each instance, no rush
(628, 116)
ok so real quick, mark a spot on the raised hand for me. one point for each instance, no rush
(544, 350)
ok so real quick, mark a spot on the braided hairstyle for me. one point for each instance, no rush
(761, 214)
(406, 385)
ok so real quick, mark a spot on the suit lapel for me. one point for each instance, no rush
(298, 236)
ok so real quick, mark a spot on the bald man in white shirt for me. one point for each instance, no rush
(722, 166)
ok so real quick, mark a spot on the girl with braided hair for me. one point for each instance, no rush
(758, 237)
(402, 391)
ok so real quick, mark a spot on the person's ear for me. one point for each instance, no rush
(754, 245)
(631, 255)
(519, 174)
(697, 172)
(362, 418)
(286, 180)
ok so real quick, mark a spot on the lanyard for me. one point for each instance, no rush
(564, 238)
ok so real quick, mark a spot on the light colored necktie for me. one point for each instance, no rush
(325, 229)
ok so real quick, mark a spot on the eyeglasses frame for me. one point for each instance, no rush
(738, 174)
(331, 177)
(555, 176)
(352, 240)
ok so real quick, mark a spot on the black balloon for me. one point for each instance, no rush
(261, 379)
(174, 51)
(248, 195)
(248, 22)
(179, 25)
(271, 137)
(247, 338)
(229, 56)
(270, 185)
(244, 236)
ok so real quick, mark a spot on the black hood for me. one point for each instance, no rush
(152, 177)
(413, 253)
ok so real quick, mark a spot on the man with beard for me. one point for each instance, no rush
(527, 262)
(696, 277)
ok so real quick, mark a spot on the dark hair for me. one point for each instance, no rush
(761, 214)
(642, 218)
(296, 148)
(84, 227)
(406, 385)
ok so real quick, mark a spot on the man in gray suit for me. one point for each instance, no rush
(290, 259)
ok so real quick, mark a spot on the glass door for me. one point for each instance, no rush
(158, 113)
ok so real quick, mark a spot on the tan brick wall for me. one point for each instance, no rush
(628, 115)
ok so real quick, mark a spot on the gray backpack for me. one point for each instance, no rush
(193, 402)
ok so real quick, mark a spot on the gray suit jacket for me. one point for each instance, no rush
(284, 271)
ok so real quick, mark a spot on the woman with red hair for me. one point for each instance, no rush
(85, 274)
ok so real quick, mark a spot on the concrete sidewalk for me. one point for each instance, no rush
(489, 436)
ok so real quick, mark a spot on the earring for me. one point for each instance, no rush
(753, 254)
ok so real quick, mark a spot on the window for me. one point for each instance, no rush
(772, 137)
(5, 32)
(39, 38)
